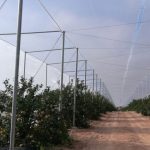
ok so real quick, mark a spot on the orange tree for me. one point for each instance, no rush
(38, 120)
(141, 105)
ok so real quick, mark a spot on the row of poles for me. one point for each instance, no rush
(103, 90)
(142, 90)
(96, 82)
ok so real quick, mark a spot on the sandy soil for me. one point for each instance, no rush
(115, 131)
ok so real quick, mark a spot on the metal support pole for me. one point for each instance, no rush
(137, 93)
(62, 71)
(96, 82)
(85, 75)
(46, 77)
(93, 84)
(141, 92)
(69, 79)
(100, 86)
(13, 115)
(75, 89)
(102, 89)
(24, 73)
(147, 86)
(93, 81)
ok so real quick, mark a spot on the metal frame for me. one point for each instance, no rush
(96, 82)
(93, 81)
(41, 51)
(71, 71)
(65, 62)
(13, 117)
(48, 50)
(18, 45)
(85, 76)
(27, 33)
(62, 71)
(81, 75)
(75, 89)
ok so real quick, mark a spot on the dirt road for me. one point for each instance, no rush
(115, 131)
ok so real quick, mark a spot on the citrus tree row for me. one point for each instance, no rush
(140, 105)
(38, 120)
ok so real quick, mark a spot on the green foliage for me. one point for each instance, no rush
(141, 106)
(38, 120)
(5, 109)
(89, 106)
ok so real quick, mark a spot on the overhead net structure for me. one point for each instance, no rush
(41, 56)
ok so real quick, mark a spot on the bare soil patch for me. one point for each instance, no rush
(114, 131)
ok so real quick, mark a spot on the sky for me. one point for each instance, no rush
(103, 30)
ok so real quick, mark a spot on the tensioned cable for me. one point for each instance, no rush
(7, 42)
(81, 66)
(123, 41)
(90, 48)
(122, 66)
(21, 48)
(15, 46)
(29, 33)
(84, 58)
(49, 14)
(71, 57)
(79, 51)
(126, 54)
(70, 40)
(120, 78)
(2, 5)
(121, 55)
(32, 56)
(46, 57)
(120, 48)
(43, 6)
(107, 26)
(101, 37)
(65, 65)
(138, 86)
(79, 48)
